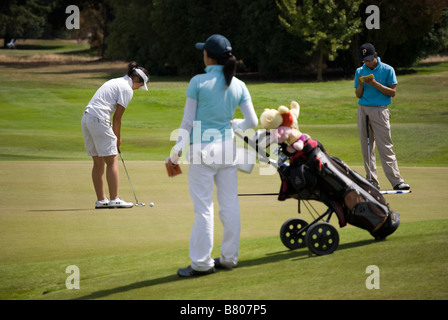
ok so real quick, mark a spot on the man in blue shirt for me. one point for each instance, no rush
(375, 85)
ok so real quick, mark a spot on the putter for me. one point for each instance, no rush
(137, 204)
(368, 148)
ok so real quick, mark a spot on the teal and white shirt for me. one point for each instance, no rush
(210, 106)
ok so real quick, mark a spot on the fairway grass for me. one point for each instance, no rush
(47, 223)
(41, 108)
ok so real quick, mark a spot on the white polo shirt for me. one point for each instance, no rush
(113, 92)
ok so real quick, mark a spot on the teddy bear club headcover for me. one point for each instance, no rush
(284, 120)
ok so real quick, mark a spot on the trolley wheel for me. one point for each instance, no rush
(322, 238)
(289, 233)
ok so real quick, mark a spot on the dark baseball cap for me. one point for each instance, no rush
(367, 51)
(216, 44)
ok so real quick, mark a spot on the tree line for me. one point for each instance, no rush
(271, 38)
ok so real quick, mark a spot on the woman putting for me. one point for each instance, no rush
(102, 137)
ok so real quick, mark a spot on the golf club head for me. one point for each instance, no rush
(140, 204)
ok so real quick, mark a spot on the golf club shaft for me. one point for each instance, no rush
(276, 194)
(368, 147)
(132, 187)
(257, 194)
(264, 157)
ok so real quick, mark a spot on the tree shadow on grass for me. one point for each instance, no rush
(59, 210)
(269, 258)
(37, 47)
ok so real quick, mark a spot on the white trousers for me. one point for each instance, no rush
(201, 180)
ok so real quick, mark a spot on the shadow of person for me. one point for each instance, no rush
(273, 257)
(129, 287)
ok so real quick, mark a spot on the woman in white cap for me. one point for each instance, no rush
(212, 99)
(102, 137)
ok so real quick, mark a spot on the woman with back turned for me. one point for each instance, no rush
(212, 99)
(102, 137)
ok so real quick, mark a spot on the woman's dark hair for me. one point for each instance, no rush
(133, 74)
(229, 63)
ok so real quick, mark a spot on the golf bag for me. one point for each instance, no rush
(312, 174)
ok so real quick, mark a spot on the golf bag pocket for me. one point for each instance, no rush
(302, 178)
(368, 216)
(388, 227)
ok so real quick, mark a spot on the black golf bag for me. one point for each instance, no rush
(312, 174)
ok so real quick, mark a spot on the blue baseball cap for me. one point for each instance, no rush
(216, 44)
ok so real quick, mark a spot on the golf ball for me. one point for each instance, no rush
(151, 204)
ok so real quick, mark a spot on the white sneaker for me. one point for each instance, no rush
(102, 204)
(118, 203)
